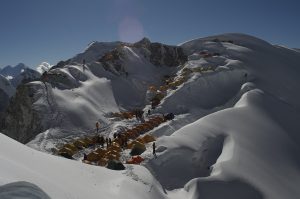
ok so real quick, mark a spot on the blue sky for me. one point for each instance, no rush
(33, 31)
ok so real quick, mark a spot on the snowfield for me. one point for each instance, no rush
(235, 133)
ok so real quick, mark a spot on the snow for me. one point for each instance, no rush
(258, 151)
(62, 178)
(235, 133)
(95, 51)
(22, 190)
(43, 67)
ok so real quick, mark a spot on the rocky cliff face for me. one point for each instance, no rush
(166, 55)
(4, 100)
(22, 121)
(156, 53)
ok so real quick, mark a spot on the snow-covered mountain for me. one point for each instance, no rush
(43, 67)
(119, 79)
(27, 75)
(10, 79)
(235, 133)
(12, 71)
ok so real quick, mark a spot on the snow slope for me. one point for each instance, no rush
(63, 109)
(248, 146)
(92, 91)
(62, 178)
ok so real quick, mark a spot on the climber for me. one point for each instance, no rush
(149, 112)
(97, 126)
(102, 142)
(84, 156)
(106, 142)
(154, 152)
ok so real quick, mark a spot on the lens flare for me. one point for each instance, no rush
(130, 30)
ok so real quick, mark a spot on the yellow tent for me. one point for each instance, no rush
(70, 146)
(93, 156)
(66, 151)
(100, 151)
(148, 138)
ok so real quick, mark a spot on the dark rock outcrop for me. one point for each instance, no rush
(22, 121)
(165, 55)
(158, 54)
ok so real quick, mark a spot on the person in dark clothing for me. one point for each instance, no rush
(154, 152)
(149, 111)
(84, 156)
(106, 142)
(109, 141)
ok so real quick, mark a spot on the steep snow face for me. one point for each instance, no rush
(62, 178)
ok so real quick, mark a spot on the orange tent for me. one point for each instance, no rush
(148, 138)
(93, 156)
(135, 160)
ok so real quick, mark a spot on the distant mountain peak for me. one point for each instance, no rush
(13, 71)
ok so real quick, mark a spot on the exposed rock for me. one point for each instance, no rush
(4, 100)
(61, 64)
(60, 79)
(22, 121)
(165, 55)
(157, 53)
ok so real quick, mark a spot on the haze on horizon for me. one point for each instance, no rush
(33, 31)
